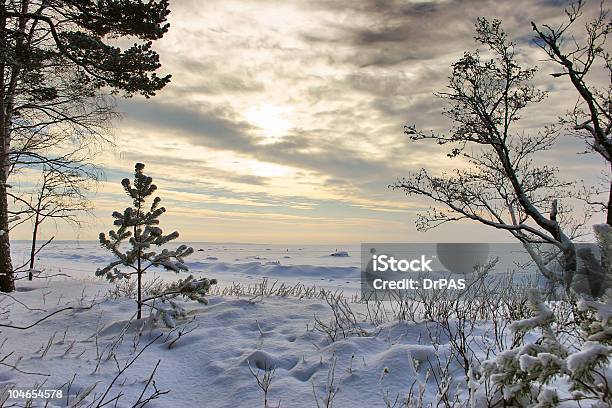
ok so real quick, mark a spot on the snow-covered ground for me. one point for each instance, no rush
(209, 366)
(226, 262)
(98, 352)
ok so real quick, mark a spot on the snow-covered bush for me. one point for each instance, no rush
(548, 372)
(139, 227)
(167, 310)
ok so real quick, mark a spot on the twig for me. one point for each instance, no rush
(10, 326)
(100, 404)
(141, 403)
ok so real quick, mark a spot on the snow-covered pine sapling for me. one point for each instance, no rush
(169, 310)
(529, 375)
(139, 226)
(519, 376)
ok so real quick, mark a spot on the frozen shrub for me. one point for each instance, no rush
(530, 375)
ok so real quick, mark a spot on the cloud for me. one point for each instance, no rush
(346, 75)
(213, 126)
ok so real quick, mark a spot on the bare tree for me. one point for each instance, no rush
(60, 196)
(582, 58)
(502, 185)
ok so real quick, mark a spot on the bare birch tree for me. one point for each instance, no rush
(60, 196)
(500, 182)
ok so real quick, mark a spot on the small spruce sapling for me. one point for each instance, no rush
(139, 226)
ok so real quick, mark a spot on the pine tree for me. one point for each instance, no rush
(58, 60)
(140, 228)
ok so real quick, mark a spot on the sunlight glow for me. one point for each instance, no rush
(272, 120)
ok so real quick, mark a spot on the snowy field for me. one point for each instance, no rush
(317, 350)
(334, 267)
(209, 367)
(309, 264)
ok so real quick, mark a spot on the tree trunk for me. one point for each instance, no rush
(7, 284)
(609, 219)
(605, 260)
(139, 292)
(139, 270)
(33, 249)
(139, 264)
(570, 265)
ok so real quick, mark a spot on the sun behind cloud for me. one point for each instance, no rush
(274, 121)
(295, 134)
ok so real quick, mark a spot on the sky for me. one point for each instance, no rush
(283, 122)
